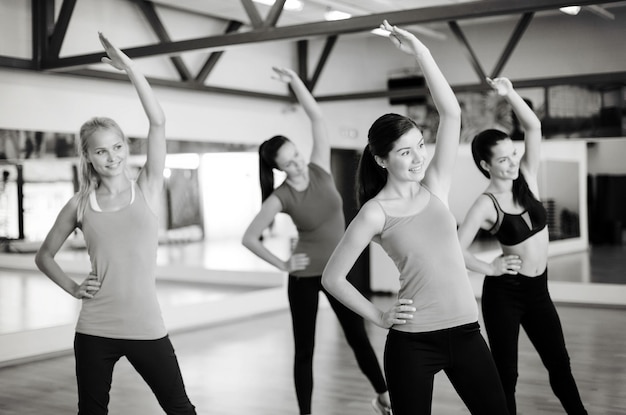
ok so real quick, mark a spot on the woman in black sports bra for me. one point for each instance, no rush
(515, 290)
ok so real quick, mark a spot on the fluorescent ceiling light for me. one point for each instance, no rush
(571, 10)
(291, 5)
(336, 15)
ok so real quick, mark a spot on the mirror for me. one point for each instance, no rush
(210, 194)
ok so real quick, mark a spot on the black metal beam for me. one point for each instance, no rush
(253, 13)
(610, 78)
(478, 9)
(272, 17)
(60, 28)
(328, 47)
(149, 11)
(214, 57)
(519, 30)
(302, 48)
(456, 30)
(42, 20)
(16, 63)
(193, 86)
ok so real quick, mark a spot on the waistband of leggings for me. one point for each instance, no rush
(521, 277)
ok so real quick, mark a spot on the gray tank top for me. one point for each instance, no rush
(426, 251)
(317, 212)
(122, 249)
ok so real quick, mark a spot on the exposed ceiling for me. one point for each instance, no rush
(251, 21)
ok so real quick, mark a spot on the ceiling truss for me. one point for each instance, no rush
(48, 37)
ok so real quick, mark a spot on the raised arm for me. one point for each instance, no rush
(360, 232)
(151, 176)
(439, 176)
(482, 215)
(529, 122)
(320, 153)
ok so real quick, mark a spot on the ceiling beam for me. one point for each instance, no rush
(478, 9)
(214, 57)
(456, 30)
(16, 63)
(519, 30)
(42, 20)
(609, 78)
(149, 12)
(328, 47)
(253, 13)
(274, 14)
(60, 28)
(194, 86)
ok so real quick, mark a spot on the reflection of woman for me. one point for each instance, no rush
(434, 323)
(309, 196)
(120, 314)
(515, 290)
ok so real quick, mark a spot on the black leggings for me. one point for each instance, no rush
(154, 360)
(413, 359)
(303, 293)
(509, 301)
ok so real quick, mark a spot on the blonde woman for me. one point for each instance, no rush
(120, 315)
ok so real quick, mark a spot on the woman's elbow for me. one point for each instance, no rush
(329, 282)
(40, 259)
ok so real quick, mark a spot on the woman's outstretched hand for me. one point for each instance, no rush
(284, 74)
(398, 314)
(116, 58)
(501, 85)
(404, 40)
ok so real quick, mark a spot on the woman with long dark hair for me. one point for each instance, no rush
(515, 289)
(404, 207)
(309, 196)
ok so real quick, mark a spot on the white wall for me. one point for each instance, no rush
(607, 156)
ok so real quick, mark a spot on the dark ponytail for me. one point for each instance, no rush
(371, 177)
(267, 163)
(481, 150)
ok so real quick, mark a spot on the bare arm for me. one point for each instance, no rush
(481, 215)
(151, 176)
(320, 153)
(531, 125)
(439, 176)
(360, 232)
(252, 238)
(44, 259)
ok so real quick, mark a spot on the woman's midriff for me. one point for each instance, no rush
(533, 252)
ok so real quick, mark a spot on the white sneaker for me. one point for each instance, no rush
(379, 408)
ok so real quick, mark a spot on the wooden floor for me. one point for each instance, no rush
(245, 368)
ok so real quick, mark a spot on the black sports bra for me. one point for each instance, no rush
(512, 229)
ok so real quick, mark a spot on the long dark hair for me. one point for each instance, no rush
(267, 162)
(482, 146)
(370, 176)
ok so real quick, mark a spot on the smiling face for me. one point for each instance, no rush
(107, 152)
(504, 163)
(289, 160)
(407, 159)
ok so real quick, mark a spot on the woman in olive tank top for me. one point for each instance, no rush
(309, 196)
(108, 205)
